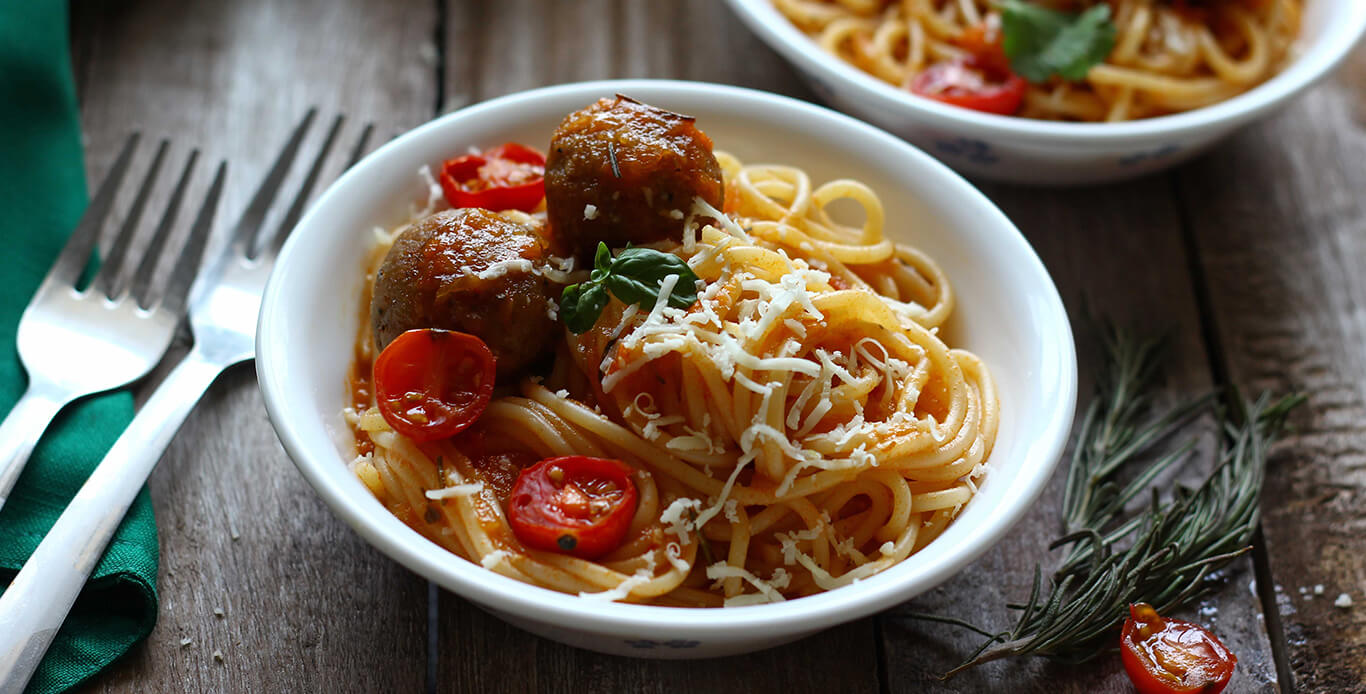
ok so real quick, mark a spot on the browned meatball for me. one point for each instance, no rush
(431, 279)
(621, 171)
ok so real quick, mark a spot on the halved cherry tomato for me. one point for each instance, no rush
(972, 83)
(574, 505)
(1173, 656)
(507, 177)
(430, 384)
(986, 41)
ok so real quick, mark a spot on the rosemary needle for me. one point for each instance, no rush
(1162, 555)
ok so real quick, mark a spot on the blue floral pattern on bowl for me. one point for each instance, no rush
(973, 150)
(1149, 156)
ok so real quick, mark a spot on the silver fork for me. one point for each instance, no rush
(224, 304)
(78, 343)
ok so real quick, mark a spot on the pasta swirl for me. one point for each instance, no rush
(1168, 56)
(803, 425)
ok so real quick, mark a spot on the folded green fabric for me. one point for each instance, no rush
(42, 194)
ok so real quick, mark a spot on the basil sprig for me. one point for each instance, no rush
(1042, 43)
(635, 276)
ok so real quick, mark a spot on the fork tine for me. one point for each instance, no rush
(142, 277)
(296, 208)
(192, 255)
(245, 233)
(105, 280)
(359, 150)
(76, 253)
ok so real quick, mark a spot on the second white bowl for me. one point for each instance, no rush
(1021, 150)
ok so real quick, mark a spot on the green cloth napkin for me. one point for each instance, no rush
(42, 195)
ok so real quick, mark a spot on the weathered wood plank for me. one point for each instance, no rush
(1279, 218)
(1117, 253)
(492, 49)
(479, 652)
(307, 605)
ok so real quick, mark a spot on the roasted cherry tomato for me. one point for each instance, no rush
(973, 83)
(573, 505)
(1172, 656)
(430, 384)
(507, 177)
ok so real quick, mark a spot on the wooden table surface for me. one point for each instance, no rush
(1254, 256)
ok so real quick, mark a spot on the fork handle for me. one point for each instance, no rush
(21, 430)
(36, 603)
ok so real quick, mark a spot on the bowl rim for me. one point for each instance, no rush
(804, 615)
(1346, 27)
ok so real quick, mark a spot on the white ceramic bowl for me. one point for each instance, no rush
(1022, 150)
(1008, 312)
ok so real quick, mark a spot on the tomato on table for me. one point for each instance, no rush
(430, 384)
(573, 505)
(1173, 656)
(507, 177)
(974, 83)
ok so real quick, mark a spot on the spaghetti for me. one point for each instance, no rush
(800, 427)
(1167, 56)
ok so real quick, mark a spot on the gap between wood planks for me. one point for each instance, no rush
(433, 590)
(1219, 373)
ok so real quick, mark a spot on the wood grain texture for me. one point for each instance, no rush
(1115, 252)
(1284, 257)
(479, 652)
(306, 605)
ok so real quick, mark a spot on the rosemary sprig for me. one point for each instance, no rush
(1161, 555)
(1113, 433)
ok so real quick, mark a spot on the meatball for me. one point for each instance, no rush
(624, 172)
(468, 270)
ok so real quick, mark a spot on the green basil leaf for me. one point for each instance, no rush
(581, 305)
(638, 273)
(1042, 43)
(603, 259)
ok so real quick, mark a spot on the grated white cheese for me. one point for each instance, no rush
(674, 553)
(715, 508)
(590, 212)
(492, 559)
(434, 195)
(458, 490)
(557, 270)
(623, 589)
(503, 267)
(722, 570)
(702, 208)
(781, 579)
(673, 516)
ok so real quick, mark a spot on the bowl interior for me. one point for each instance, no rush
(1008, 312)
